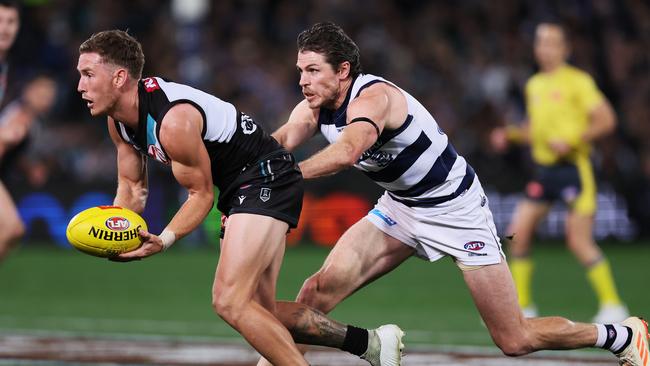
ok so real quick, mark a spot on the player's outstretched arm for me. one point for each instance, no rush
(131, 174)
(302, 125)
(366, 117)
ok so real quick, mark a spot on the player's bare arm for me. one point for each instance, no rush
(180, 135)
(132, 185)
(37, 98)
(302, 125)
(14, 128)
(602, 122)
(377, 104)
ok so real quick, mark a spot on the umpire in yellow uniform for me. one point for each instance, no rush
(566, 113)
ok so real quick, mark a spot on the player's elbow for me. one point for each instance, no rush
(610, 122)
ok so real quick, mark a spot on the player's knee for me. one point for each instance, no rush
(225, 307)
(308, 294)
(317, 293)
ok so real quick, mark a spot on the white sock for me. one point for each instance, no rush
(613, 337)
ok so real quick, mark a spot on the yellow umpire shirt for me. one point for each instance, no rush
(558, 106)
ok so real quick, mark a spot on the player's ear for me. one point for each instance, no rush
(120, 77)
(344, 70)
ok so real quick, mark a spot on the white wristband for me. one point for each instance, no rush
(168, 238)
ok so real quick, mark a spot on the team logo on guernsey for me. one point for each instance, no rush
(265, 194)
(248, 126)
(157, 154)
(150, 84)
(117, 223)
(381, 158)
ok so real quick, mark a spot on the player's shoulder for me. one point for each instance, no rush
(576, 74)
(368, 84)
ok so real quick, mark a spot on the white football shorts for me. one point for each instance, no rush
(462, 227)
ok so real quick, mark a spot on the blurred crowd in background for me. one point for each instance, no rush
(466, 61)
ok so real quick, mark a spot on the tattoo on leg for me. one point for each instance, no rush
(311, 326)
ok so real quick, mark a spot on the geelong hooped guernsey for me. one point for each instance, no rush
(233, 140)
(415, 163)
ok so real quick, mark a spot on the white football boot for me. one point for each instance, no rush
(636, 353)
(384, 346)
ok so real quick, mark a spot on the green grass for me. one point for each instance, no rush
(49, 289)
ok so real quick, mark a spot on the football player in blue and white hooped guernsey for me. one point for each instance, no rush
(433, 206)
(206, 141)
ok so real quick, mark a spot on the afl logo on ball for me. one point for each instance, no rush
(117, 223)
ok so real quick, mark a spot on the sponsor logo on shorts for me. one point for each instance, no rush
(384, 217)
(265, 194)
(241, 199)
(569, 194)
(474, 245)
(534, 190)
(117, 223)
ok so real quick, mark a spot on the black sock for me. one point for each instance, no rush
(356, 340)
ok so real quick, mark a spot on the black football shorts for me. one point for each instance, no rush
(272, 186)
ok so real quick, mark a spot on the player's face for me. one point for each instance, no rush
(320, 83)
(96, 83)
(9, 24)
(550, 46)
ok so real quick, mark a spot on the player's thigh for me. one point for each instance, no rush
(251, 253)
(526, 216)
(361, 255)
(494, 294)
(9, 218)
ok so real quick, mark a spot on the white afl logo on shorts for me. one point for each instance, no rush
(247, 124)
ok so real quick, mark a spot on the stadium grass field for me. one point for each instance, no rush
(46, 290)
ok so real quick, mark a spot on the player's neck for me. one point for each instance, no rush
(551, 68)
(127, 107)
(345, 87)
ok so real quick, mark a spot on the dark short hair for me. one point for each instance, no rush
(10, 4)
(117, 47)
(330, 40)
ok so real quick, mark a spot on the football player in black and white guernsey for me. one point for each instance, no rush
(207, 142)
(433, 206)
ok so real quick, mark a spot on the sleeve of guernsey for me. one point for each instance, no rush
(588, 96)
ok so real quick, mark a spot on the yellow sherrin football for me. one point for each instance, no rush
(105, 231)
